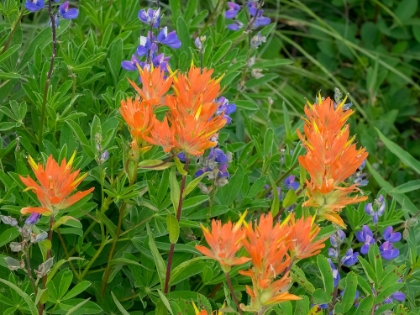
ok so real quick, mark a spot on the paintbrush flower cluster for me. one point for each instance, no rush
(331, 158)
(192, 120)
(272, 248)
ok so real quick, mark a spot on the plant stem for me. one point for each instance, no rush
(14, 28)
(232, 292)
(114, 244)
(29, 270)
(50, 71)
(63, 243)
(178, 217)
(44, 280)
(335, 293)
(277, 216)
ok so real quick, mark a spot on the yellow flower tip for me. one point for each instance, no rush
(240, 221)
(319, 97)
(316, 127)
(197, 115)
(197, 311)
(311, 106)
(139, 68)
(342, 102)
(32, 163)
(349, 142)
(70, 162)
(219, 78)
(78, 180)
(205, 230)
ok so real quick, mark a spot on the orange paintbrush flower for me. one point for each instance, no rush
(266, 244)
(301, 237)
(331, 158)
(139, 117)
(154, 85)
(225, 240)
(56, 183)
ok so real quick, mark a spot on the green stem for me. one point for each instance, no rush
(14, 28)
(44, 280)
(98, 252)
(232, 292)
(114, 244)
(50, 71)
(63, 243)
(178, 217)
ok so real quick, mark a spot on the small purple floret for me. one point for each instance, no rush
(365, 236)
(350, 258)
(67, 13)
(388, 252)
(169, 39)
(34, 5)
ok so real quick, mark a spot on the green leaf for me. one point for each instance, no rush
(265, 64)
(268, 142)
(406, 9)
(326, 274)
(184, 266)
(173, 228)
(119, 306)
(160, 263)
(221, 52)
(9, 235)
(76, 307)
(290, 198)
(376, 262)
(247, 105)
(365, 306)
(76, 290)
(174, 189)
(302, 306)
(370, 273)
(63, 220)
(349, 292)
(406, 187)
(388, 291)
(156, 165)
(23, 295)
(165, 302)
(403, 155)
(191, 185)
(111, 227)
(9, 52)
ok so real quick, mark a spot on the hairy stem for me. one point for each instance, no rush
(44, 280)
(50, 71)
(29, 270)
(114, 244)
(232, 292)
(178, 217)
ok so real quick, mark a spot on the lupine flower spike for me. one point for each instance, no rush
(224, 240)
(330, 159)
(56, 183)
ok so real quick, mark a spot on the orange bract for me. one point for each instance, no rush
(224, 241)
(266, 244)
(301, 237)
(330, 159)
(139, 117)
(154, 85)
(56, 183)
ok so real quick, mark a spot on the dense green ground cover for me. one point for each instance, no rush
(112, 259)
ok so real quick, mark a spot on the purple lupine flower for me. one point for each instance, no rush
(161, 61)
(66, 13)
(332, 252)
(218, 156)
(34, 5)
(261, 20)
(225, 108)
(132, 64)
(398, 296)
(33, 219)
(390, 236)
(388, 252)
(8, 220)
(388, 300)
(336, 274)
(169, 39)
(104, 156)
(198, 43)
(235, 26)
(270, 194)
(365, 236)
(290, 183)
(151, 17)
(252, 7)
(182, 157)
(379, 205)
(145, 46)
(350, 258)
(337, 238)
(233, 10)
(323, 306)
